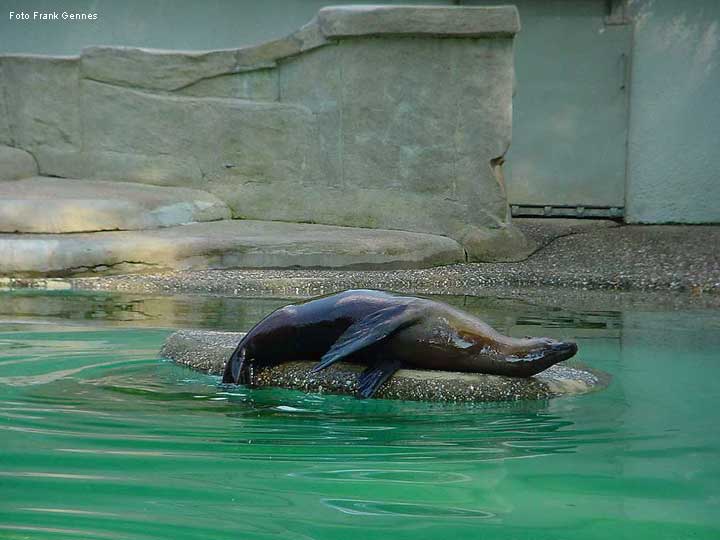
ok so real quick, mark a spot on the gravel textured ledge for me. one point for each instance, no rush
(579, 254)
(574, 256)
(207, 351)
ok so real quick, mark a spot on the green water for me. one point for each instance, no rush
(101, 439)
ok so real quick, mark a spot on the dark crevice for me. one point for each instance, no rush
(543, 245)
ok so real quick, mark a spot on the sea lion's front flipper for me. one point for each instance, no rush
(372, 378)
(369, 331)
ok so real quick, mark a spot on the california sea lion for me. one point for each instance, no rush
(387, 332)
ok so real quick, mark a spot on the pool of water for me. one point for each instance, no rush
(101, 439)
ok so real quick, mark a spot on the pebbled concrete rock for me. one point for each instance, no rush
(5, 133)
(157, 69)
(388, 117)
(258, 85)
(232, 141)
(156, 169)
(208, 350)
(504, 243)
(403, 148)
(222, 244)
(154, 68)
(95, 205)
(474, 22)
(636, 265)
(15, 164)
(42, 101)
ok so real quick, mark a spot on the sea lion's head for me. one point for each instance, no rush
(485, 350)
(534, 355)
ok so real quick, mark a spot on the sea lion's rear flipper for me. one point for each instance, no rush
(372, 378)
(236, 368)
(369, 331)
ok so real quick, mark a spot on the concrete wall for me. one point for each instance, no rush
(674, 147)
(675, 114)
(569, 108)
(392, 118)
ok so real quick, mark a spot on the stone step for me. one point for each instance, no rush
(207, 351)
(222, 244)
(16, 163)
(60, 205)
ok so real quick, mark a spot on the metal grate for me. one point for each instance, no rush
(601, 212)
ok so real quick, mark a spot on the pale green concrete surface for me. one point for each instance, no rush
(674, 148)
(570, 105)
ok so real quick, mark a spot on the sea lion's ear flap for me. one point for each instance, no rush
(369, 331)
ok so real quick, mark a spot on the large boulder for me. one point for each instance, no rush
(207, 351)
(70, 206)
(222, 244)
(16, 164)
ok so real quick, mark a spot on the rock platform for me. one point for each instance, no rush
(221, 244)
(207, 351)
(75, 205)
(62, 227)
(16, 163)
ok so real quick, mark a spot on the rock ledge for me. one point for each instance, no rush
(207, 351)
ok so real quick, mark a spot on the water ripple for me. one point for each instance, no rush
(99, 439)
(383, 508)
(399, 476)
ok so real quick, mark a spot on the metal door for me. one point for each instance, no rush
(570, 111)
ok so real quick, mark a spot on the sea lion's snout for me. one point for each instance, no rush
(567, 349)
(557, 351)
(544, 353)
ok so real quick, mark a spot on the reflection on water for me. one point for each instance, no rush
(100, 439)
(379, 508)
(91, 308)
(238, 314)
